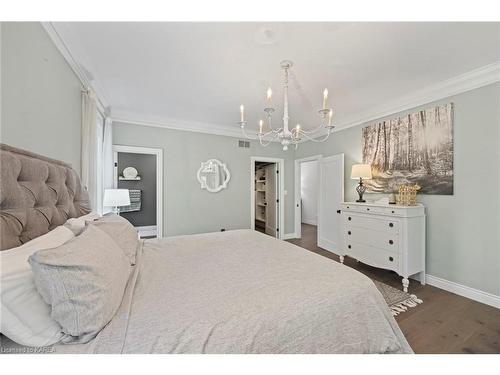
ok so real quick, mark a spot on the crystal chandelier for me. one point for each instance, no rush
(284, 134)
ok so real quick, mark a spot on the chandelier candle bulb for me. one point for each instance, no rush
(269, 96)
(242, 113)
(261, 123)
(330, 114)
(325, 97)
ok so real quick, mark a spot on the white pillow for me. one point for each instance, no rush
(25, 317)
(77, 224)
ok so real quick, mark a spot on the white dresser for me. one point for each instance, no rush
(385, 236)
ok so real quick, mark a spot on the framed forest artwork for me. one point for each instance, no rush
(412, 149)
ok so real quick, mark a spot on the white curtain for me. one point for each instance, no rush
(89, 154)
(97, 151)
(99, 160)
(107, 158)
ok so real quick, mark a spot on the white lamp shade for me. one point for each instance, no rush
(116, 198)
(361, 171)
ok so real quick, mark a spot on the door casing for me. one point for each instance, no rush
(281, 193)
(159, 177)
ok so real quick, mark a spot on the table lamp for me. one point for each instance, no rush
(116, 198)
(361, 171)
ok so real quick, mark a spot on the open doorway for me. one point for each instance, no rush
(139, 170)
(266, 200)
(267, 195)
(306, 193)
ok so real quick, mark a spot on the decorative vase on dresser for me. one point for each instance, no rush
(385, 236)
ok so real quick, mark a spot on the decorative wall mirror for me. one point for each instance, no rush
(213, 175)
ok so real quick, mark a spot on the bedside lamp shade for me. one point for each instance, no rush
(363, 171)
(116, 198)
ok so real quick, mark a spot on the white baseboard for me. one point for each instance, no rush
(464, 291)
(146, 231)
(289, 236)
(309, 221)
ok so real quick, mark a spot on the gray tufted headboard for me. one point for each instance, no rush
(36, 195)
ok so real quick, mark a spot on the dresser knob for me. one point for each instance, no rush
(349, 233)
(349, 218)
(391, 259)
(367, 209)
(391, 242)
(349, 246)
(391, 225)
(392, 211)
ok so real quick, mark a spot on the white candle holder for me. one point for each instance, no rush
(324, 112)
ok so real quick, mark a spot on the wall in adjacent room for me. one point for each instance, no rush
(146, 167)
(189, 209)
(309, 189)
(40, 94)
(463, 233)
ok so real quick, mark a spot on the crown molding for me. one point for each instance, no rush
(127, 117)
(73, 62)
(471, 80)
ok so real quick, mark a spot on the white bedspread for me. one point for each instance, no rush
(245, 292)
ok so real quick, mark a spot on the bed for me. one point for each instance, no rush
(231, 292)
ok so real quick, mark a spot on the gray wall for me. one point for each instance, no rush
(40, 94)
(188, 209)
(146, 166)
(463, 230)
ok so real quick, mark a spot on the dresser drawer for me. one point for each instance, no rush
(364, 209)
(373, 256)
(365, 221)
(386, 210)
(382, 239)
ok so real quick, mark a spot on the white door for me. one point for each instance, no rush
(331, 194)
(271, 199)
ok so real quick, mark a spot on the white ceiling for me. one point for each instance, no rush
(199, 73)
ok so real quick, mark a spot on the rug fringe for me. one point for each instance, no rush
(400, 307)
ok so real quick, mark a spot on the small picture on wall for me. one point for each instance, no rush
(413, 149)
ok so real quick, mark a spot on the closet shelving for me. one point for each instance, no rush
(260, 198)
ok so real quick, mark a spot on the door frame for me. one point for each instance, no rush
(321, 187)
(158, 152)
(281, 193)
(298, 195)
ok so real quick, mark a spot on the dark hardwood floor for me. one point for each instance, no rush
(444, 323)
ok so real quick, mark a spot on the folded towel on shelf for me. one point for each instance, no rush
(135, 201)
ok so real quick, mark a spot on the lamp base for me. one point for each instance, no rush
(361, 189)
